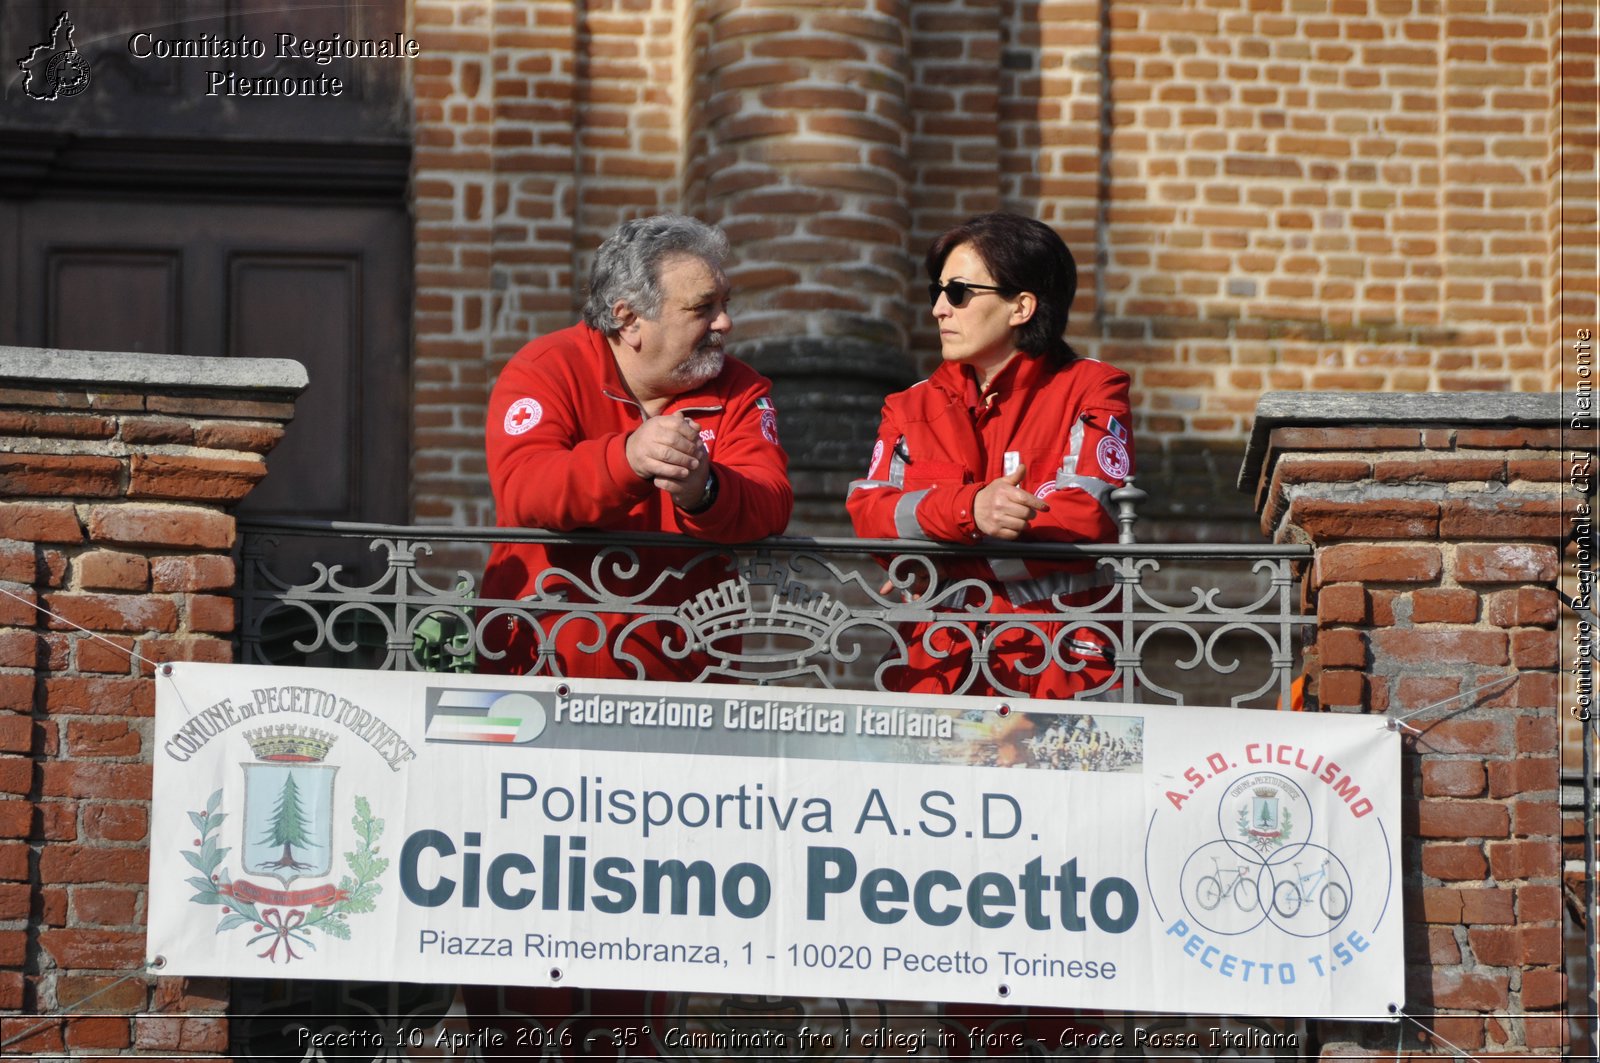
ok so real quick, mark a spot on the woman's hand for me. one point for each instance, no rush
(1003, 509)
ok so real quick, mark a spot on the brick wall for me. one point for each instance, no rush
(1369, 195)
(117, 476)
(1437, 523)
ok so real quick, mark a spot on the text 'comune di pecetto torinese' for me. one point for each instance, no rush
(279, 47)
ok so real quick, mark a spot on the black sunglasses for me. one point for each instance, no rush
(958, 292)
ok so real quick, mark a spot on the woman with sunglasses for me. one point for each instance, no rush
(1014, 437)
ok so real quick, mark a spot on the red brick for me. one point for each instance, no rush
(1536, 819)
(1338, 687)
(1342, 603)
(16, 775)
(193, 478)
(1506, 563)
(1443, 951)
(1524, 860)
(1543, 989)
(56, 425)
(1378, 564)
(99, 1031)
(12, 987)
(1459, 1031)
(1539, 904)
(16, 692)
(40, 522)
(200, 648)
(1523, 776)
(1351, 438)
(20, 649)
(1438, 470)
(1502, 518)
(1441, 906)
(1523, 607)
(1449, 862)
(81, 863)
(1444, 605)
(1469, 991)
(116, 822)
(1452, 778)
(1440, 646)
(1325, 520)
(1509, 438)
(112, 612)
(112, 570)
(13, 948)
(60, 476)
(16, 818)
(208, 1036)
(96, 738)
(1537, 735)
(19, 608)
(16, 734)
(1342, 648)
(1544, 1031)
(106, 907)
(94, 950)
(16, 899)
(110, 993)
(258, 437)
(31, 1036)
(19, 562)
(1525, 946)
(1532, 649)
(111, 654)
(108, 696)
(157, 430)
(1462, 819)
(209, 613)
(192, 996)
(195, 572)
(1488, 905)
(68, 779)
(150, 525)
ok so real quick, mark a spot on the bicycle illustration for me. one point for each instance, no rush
(1210, 890)
(1332, 898)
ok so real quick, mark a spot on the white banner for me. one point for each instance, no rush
(429, 828)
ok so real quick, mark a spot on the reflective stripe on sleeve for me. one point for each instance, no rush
(906, 525)
(1020, 588)
(1098, 489)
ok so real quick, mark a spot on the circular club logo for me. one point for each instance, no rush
(1270, 853)
(523, 416)
(877, 456)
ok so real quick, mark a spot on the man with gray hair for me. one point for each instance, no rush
(633, 420)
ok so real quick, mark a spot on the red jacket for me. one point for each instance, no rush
(558, 425)
(941, 441)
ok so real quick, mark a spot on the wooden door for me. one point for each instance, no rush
(142, 214)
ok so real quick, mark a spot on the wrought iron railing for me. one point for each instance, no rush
(1179, 624)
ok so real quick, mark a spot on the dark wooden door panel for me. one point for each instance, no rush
(279, 306)
(102, 300)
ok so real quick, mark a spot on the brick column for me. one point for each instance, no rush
(1438, 522)
(117, 477)
(799, 147)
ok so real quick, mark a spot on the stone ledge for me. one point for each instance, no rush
(1355, 409)
(109, 369)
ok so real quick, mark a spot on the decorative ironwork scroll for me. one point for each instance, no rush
(1181, 624)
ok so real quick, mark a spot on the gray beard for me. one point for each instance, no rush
(701, 368)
